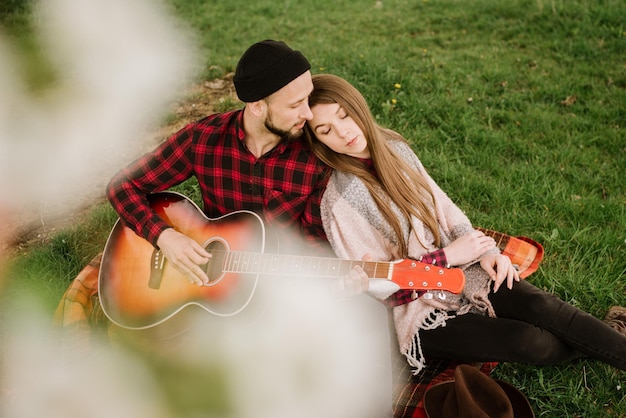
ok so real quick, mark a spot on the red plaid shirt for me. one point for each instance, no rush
(284, 186)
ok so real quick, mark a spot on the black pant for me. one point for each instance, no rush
(532, 326)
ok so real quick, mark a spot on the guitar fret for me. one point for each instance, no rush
(240, 262)
(244, 262)
(323, 266)
(307, 261)
(275, 263)
(332, 268)
(231, 257)
(236, 262)
(384, 270)
(284, 264)
(263, 267)
(228, 262)
(256, 262)
(251, 265)
(305, 265)
(297, 264)
(370, 269)
(292, 264)
(272, 266)
(349, 265)
(376, 270)
(312, 268)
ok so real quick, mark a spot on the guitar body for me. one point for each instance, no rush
(139, 289)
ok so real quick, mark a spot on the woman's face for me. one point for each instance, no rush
(338, 131)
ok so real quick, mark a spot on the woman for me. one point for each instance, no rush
(381, 203)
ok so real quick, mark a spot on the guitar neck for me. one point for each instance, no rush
(278, 264)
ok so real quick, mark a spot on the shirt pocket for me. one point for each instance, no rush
(284, 208)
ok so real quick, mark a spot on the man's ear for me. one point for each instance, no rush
(257, 108)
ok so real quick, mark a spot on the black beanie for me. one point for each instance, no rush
(266, 67)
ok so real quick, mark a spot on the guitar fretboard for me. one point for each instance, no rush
(260, 263)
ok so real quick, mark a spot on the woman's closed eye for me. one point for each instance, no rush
(323, 131)
(341, 114)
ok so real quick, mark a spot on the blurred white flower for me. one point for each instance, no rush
(306, 356)
(40, 380)
(117, 64)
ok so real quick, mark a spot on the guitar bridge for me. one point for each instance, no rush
(156, 269)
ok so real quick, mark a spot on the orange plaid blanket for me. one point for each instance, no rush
(523, 252)
(79, 311)
(79, 314)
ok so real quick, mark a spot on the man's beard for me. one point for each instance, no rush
(284, 135)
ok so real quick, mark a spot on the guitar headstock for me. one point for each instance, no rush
(415, 275)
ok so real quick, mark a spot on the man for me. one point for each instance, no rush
(248, 159)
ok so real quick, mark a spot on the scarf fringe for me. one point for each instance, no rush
(413, 353)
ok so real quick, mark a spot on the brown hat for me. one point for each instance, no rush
(473, 394)
(265, 68)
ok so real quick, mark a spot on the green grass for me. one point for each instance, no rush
(483, 97)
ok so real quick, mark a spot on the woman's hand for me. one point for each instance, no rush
(184, 254)
(499, 268)
(468, 248)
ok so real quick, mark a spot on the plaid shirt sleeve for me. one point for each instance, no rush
(158, 170)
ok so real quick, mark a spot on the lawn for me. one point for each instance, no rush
(517, 109)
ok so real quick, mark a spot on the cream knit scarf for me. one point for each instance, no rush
(355, 227)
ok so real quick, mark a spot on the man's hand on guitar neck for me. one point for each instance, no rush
(357, 281)
(184, 254)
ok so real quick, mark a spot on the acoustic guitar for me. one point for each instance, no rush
(138, 289)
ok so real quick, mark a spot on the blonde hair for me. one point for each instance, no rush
(398, 182)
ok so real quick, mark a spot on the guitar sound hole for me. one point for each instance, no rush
(215, 267)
